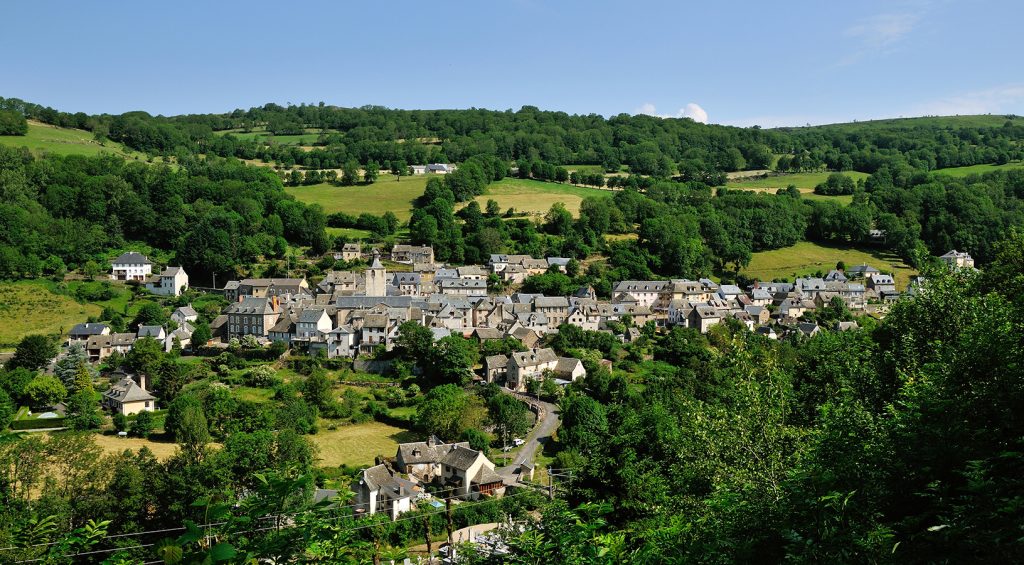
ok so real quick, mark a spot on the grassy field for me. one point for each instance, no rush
(388, 194)
(44, 138)
(590, 169)
(800, 180)
(351, 233)
(979, 169)
(356, 445)
(112, 444)
(384, 195)
(806, 258)
(537, 196)
(27, 307)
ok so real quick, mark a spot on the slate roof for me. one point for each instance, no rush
(186, 311)
(425, 452)
(131, 257)
(127, 390)
(640, 286)
(534, 357)
(311, 316)
(251, 305)
(111, 340)
(460, 458)
(567, 365)
(551, 302)
(87, 329)
(151, 331)
(486, 475)
(496, 362)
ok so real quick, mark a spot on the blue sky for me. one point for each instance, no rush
(742, 63)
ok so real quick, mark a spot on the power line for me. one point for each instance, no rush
(228, 535)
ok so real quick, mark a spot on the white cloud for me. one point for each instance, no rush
(998, 100)
(882, 33)
(883, 30)
(692, 110)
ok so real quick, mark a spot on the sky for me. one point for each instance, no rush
(726, 62)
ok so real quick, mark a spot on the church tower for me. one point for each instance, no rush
(376, 277)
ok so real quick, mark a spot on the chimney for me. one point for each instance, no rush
(240, 297)
(142, 382)
(274, 303)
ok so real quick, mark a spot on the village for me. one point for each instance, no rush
(356, 315)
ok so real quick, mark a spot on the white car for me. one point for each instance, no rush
(518, 442)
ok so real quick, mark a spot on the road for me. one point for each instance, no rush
(547, 423)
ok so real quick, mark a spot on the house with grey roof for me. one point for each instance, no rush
(81, 333)
(382, 490)
(131, 266)
(184, 314)
(534, 364)
(172, 281)
(128, 397)
(958, 259)
(99, 347)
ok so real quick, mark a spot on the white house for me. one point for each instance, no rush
(171, 282)
(131, 266)
(184, 314)
(381, 490)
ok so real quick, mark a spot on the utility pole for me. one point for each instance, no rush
(551, 486)
(426, 527)
(449, 525)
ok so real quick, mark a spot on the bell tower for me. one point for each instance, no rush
(376, 277)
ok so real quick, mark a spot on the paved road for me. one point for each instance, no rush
(547, 423)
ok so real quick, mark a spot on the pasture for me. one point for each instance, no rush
(979, 169)
(536, 197)
(806, 258)
(385, 195)
(357, 445)
(27, 307)
(44, 138)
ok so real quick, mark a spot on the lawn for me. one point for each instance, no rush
(386, 194)
(979, 169)
(28, 307)
(44, 138)
(806, 258)
(534, 196)
(357, 445)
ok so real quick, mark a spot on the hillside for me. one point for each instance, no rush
(955, 122)
(44, 138)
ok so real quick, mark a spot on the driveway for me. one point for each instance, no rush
(547, 423)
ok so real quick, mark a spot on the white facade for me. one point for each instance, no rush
(131, 266)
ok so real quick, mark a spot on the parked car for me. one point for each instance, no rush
(518, 442)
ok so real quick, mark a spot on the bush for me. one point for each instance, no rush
(120, 422)
(143, 424)
(262, 376)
